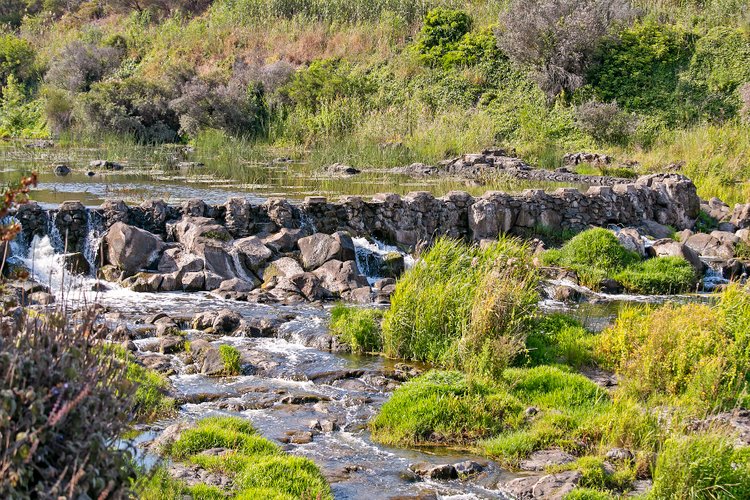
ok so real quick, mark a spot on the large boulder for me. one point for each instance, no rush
(252, 252)
(285, 267)
(131, 249)
(208, 240)
(670, 248)
(320, 248)
(631, 239)
(338, 277)
(285, 240)
(708, 245)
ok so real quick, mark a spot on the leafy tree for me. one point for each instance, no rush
(19, 116)
(557, 39)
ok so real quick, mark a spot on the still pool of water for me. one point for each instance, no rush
(171, 174)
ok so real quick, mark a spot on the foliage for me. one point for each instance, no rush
(131, 107)
(357, 327)
(257, 467)
(594, 254)
(659, 276)
(81, 64)
(326, 81)
(640, 69)
(231, 358)
(702, 466)
(63, 405)
(605, 122)
(463, 306)
(236, 107)
(17, 58)
(696, 353)
(446, 39)
(558, 39)
(14, 196)
(20, 117)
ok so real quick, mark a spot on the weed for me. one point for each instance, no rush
(357, 327)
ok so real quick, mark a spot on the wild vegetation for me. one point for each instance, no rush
(391, 82)
(685, 361)
(257, 467)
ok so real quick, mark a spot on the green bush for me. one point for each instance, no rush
(231, 358)
(20, 116)
(696, 353)
(324, 82)
(640, 69)
(594, 254)
(702, 466)
(446, 40)
(17, 58)
(665, 275)
(463, 306)
(62, 409)
(357, 327)
(133, 107)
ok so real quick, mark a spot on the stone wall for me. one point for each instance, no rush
(668, 199)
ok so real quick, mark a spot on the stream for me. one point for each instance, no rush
(289, 386)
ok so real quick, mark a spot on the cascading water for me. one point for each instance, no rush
(714, 276)
(55, 238)
(94, 233)
(370, 252)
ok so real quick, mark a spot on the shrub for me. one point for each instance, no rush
(640, 70)
(697, 353)
(81, 64)
(444, 408)
(557, 39)
(231, 358)
(666, 275)
(594, 254)
(605, 122)
(446, 40)
(130, 107)
(463, 306)
(236, 107)
(62, 404)
(702, 466)
(326, 81)
(17, 59)
(20, 116)
(357, 327)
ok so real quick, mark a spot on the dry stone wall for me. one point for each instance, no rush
(668, 199)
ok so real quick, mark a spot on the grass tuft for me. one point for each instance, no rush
(357, 327)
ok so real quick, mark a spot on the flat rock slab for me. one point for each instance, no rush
(540, 460)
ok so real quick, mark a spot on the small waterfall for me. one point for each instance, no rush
(369, 255)
(94, 233)
(19, 244)
(714, 276)
(55, 239)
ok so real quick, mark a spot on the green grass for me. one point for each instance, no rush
(357, 327)
(448, 408)
(444, 408)
(257, 467)
(665, 275)
(594, 254)
(695, 353)
(463, 306)
(231, 358)
(557, 338)
(702, 466)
